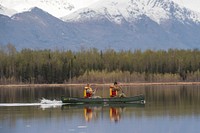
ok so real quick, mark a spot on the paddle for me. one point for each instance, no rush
(94, 93)
(122, 94)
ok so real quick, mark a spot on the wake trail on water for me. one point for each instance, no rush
(44, 103)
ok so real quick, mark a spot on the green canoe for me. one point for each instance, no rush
(74, 100)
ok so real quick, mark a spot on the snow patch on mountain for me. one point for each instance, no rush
(191, 4)
(6, 11)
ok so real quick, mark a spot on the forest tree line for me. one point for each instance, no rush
(92, 65)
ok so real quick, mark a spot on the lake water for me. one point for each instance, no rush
(168, 109)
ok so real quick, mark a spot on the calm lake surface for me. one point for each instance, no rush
(168, 109)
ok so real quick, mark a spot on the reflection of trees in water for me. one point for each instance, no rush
(30, 95)
(173, 94)
(172, 100)
(156, 95)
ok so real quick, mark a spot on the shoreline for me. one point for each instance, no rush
(96, 84)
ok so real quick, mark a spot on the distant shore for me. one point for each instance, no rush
(96, 84)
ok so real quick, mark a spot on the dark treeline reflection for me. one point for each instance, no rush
(173, 94)
(31, 95)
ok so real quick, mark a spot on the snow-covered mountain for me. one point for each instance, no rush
(57, 8)
(60, 8)
(157, 10)
(128, 10)
(117, 24)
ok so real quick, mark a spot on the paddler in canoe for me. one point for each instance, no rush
(114, 90)
(88, 91)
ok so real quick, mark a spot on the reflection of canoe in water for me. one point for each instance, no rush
(114, 105)
(93, 111)
(116, 100)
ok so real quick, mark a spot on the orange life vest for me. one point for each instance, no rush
(87, 94)
(113, 92)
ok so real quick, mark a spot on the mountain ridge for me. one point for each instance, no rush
(105, 26)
